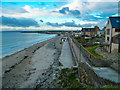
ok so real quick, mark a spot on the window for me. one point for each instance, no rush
(108, 38)
(108, 31)
(117, 21)
(117, 30)
(116, 41)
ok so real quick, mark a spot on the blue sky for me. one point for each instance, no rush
(56, 15)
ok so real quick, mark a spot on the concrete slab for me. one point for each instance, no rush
(107, 73)
(66, 56)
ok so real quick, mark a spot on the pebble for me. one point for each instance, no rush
(46, 79)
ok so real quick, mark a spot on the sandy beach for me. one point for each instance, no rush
(24, 68)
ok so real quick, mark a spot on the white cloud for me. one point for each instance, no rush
(6, 28)
(89, 6)
(33, 12)
(88, 22)
(75, 5)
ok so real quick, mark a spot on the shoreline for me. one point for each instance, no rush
(21, 49)
(24, 68)
(37, 45)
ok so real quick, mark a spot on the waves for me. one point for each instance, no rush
(15, 41)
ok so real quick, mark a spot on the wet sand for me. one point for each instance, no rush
(24, 68)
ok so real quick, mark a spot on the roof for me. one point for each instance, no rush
(115, 21)
(117, 35)
(88, 29)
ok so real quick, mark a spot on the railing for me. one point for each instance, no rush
(95, 61)
(87, 67)
(73, 52)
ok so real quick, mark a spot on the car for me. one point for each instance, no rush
(96, 43)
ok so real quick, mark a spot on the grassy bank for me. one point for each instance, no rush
(69, 79)
(91, 49)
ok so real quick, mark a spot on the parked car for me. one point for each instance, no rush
(96, 43)
(87, 37)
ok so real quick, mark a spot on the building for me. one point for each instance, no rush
(112, 37)
(103, 31)
(76, 33)
(90, 31)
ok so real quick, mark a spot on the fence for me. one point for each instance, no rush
(95, 61)
(93, 77)
(75, 59)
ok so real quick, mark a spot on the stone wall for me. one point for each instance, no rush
(95, 80)
(114, 47)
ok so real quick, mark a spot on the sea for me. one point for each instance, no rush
(11, 41)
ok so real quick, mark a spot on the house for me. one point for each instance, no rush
(76, 33)
(112, 37)
(90, 31)
(99, 33)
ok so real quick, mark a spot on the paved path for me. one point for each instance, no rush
(107, 73)
(66, 56)
(77, 52)
(103, 72)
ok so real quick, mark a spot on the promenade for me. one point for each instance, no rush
(66, 56)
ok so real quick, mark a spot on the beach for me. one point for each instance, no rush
(24, 68)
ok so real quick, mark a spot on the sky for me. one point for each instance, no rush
(55, 14)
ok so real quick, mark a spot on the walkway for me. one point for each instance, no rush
(66, 56)
(103, 72)
(107, 73)
(77, 52)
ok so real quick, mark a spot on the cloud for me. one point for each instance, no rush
(21, 22)
(9, 10)
(101, 23)
(84, 9)
(66, 10)
(30, 12)
(41, 21)
(88, 25)
(67, 24)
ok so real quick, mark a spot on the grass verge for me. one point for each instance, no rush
(91, 49)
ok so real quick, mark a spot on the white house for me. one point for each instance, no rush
(112, 37)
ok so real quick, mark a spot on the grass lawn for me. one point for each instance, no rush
(91, 49)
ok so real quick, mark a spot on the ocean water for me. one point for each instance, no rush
(12, 42)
